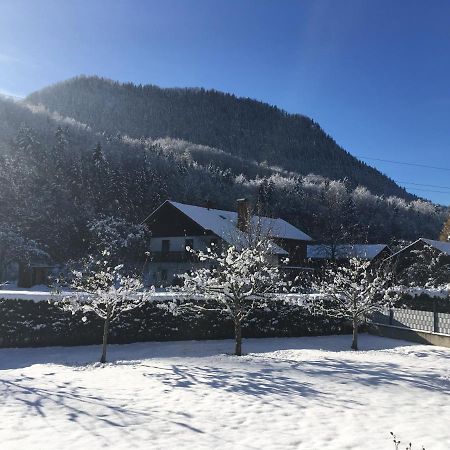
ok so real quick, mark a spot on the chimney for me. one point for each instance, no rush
(243, 214)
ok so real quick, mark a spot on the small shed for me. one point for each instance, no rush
(34, 272)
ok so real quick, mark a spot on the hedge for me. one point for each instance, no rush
(26, 323)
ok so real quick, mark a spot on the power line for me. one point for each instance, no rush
(428, 190)
(421, 184)
(447, 169)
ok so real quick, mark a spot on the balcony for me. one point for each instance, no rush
(173, 257)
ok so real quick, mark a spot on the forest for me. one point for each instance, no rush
(238, 126)
(60, 172)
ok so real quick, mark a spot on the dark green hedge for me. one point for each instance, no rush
(26, 323)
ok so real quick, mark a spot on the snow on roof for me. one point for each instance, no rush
(209, 218)
(223, 224)
(444, 247)
(346, 251)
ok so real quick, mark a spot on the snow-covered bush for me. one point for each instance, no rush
(102, 289)
(425, 272)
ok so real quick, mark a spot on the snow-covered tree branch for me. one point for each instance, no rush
(101, 288)
(352, 292)
(427, 272)
(14, 247)
(236, 279)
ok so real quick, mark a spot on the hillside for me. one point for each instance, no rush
(57, 176)
(239, 126)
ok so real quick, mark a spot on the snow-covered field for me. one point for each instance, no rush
(306, 393)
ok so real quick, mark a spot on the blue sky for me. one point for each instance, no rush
(374, 74)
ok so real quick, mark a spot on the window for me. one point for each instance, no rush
(189, 243)
(165, 245)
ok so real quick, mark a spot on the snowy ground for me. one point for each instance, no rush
(306, 393)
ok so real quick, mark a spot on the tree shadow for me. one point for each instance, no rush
(368, 373)
(259, 382)
(77, 405)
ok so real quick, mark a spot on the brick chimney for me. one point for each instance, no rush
(243, 214)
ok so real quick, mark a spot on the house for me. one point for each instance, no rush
(177, 226)
(320, 253)
(432, 253)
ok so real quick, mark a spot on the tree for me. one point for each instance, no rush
(352, 292)
(445, 233)
(337, 219)
(237, 279)
(124, 241)
(425, 272)
(16, 248)
(102, 289)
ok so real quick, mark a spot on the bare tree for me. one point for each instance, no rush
(445, 233)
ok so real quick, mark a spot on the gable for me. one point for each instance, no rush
(178, 219)
(170, 221)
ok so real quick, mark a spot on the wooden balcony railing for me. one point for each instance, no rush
(174, 257)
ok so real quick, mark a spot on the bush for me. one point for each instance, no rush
(32, 324)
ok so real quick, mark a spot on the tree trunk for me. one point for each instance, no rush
(105, 339)
(238, 337)
(355, 335)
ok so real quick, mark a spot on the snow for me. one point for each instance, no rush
(346, 251)
(286, 393)
(36, 293)
(444, 247)
(223, 223)
(39, 294)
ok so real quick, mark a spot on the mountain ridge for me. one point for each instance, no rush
(240, 126)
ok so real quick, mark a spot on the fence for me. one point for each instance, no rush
(434, 322)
